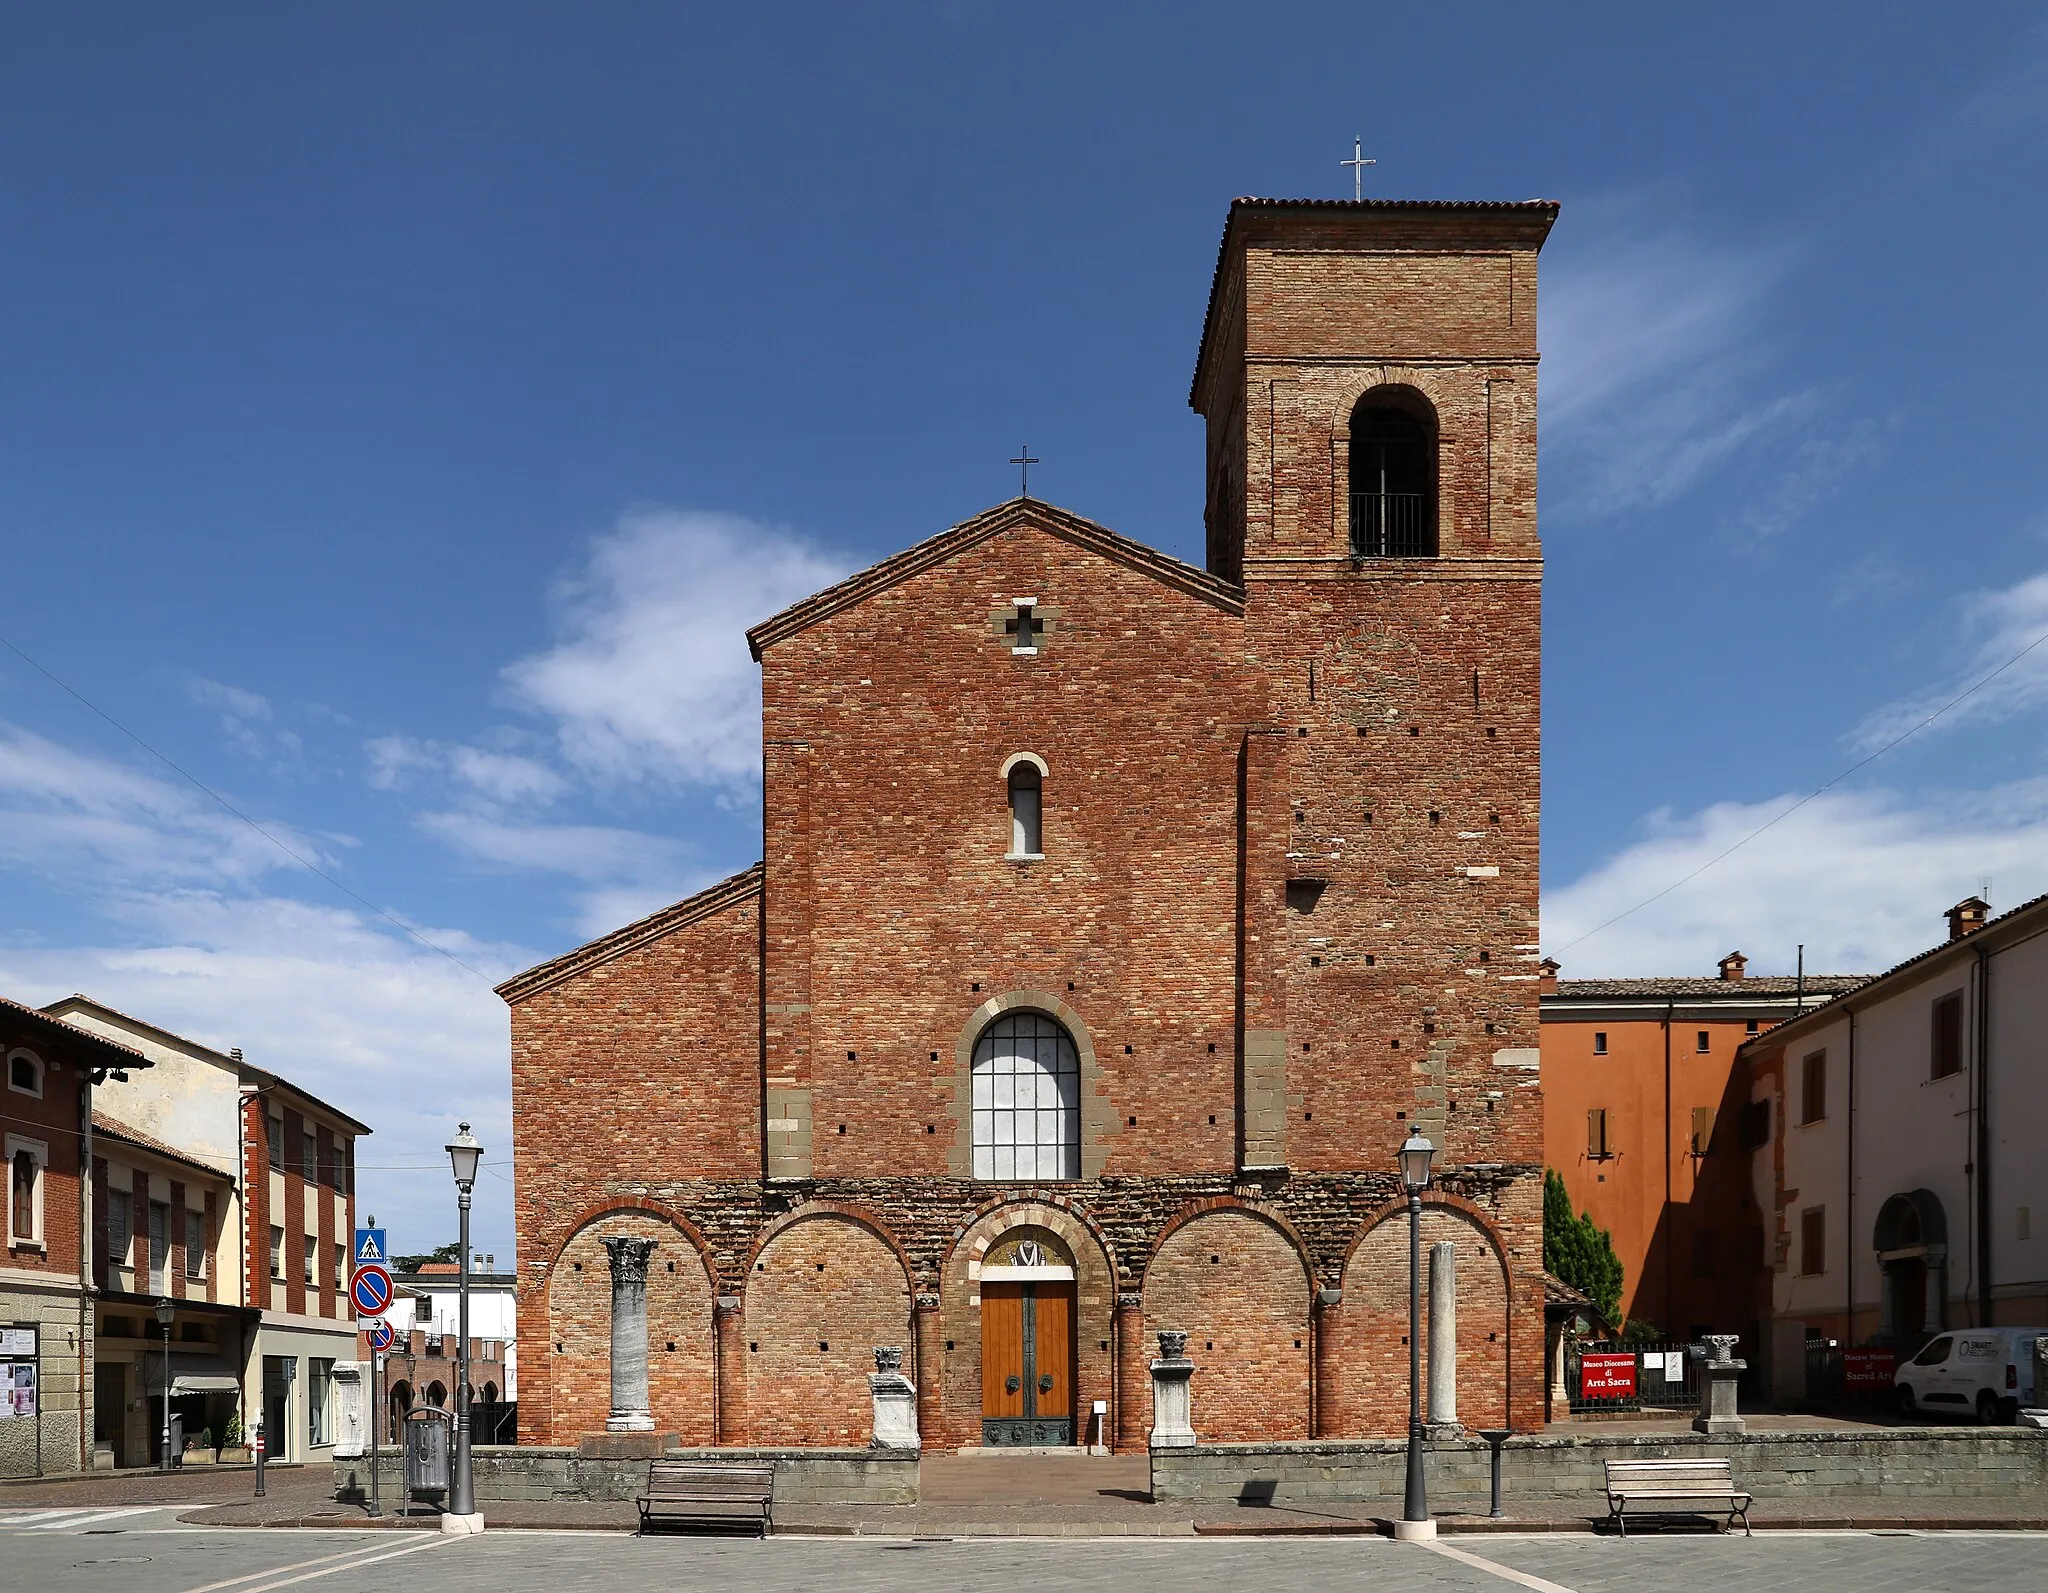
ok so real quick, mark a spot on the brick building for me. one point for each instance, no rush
(1116, 921)
(1643, 1102)
(232, 1190)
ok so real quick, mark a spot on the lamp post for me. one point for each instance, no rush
(166, 1308)
(464, 1153)
(1415, 1157)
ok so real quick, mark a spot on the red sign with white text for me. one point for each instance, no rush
(1607, 1376)
(1868, 1369)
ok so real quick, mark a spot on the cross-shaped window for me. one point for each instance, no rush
(1022, 627)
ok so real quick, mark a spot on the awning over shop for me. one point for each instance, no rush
(194, 1383)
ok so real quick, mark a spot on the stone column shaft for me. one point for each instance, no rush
(1443, 1339)
(929, 1367)
(629, 1257)
(1132, 1396)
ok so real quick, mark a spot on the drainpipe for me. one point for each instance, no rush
(1670, 1271)
(1849, 1215)
(1983, 1151)
(88, 1390)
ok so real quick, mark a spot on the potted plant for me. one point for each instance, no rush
(232, 1446)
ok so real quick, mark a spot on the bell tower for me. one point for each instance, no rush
(1368, 375)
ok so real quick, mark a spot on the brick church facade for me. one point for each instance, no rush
(1116, 921)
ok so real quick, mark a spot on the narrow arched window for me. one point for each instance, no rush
(1027, 809)
(1027, 1099)
(1393, 481)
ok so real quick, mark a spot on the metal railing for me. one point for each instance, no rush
(1392, 525)
(1603, 1377)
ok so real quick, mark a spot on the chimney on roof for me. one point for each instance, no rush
(1734, 965)
(1967, 916)
(1547, 985)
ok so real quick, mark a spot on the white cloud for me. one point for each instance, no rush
(1861, 878)
(247, 719)
(651, 679)
(364, 1018)
(2002, 624)
(493, 776)
(1657, 373)
(64, 812)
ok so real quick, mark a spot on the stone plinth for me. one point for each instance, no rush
(895, 1398)
(624, 1446)
(1172, 1404)
(1718, 1415)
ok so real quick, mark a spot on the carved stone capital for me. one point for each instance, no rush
(630, 1255)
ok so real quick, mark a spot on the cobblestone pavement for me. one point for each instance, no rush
(189, 1560)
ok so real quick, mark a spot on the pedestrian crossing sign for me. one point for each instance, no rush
(370, 1246)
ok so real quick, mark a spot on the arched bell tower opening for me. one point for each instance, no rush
(1393, 476)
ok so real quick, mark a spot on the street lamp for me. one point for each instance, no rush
(464, 1153)
(1414, 1157)
(166, 1308)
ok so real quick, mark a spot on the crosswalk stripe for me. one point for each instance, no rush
(92, 1518)
(41, 1517)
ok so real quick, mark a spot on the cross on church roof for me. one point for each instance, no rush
(1358, 163)
(1024, 462)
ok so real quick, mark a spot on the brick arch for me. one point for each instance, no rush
(575, 1305)
(1066, 1209)
(1213, 1203)
(654, 1208)
(827, 1208)
(1249, 1338)
(826, 1285)
(1369, 1327)
(1423, 384)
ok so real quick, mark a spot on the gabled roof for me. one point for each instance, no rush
(265, 1082)
(1707, 988)
(1026, 512)
(1876, 988)
(636, 934)
(56, 1028)
(109, 1128)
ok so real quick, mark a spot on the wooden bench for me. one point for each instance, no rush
(1674, 1488)
(685, 1490)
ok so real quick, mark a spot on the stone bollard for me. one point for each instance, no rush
(1172, 1411)
(1718, 1373)
(629, 1257)
(1443, 1341)
(895, 1401)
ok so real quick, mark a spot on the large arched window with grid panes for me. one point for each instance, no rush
(1027, 1099)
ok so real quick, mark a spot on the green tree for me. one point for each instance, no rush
(1578, 1251)
(440, 1257)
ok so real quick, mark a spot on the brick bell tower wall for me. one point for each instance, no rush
(1405, 692)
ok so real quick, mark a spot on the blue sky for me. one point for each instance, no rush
(401, 416)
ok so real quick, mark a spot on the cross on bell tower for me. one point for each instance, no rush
(1358, 162)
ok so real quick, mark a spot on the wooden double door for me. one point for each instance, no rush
(1027, 1364)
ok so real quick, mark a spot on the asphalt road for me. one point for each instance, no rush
(144, 1551)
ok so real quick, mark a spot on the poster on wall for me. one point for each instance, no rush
(19, 1388)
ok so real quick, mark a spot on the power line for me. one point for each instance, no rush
(304, 862)
(1795, 807)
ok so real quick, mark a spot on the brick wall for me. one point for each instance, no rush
(1286, 906)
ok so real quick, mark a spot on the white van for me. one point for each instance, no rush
(1987, 1372)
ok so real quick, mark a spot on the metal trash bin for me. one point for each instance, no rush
(426, 1454)
(177, 1454)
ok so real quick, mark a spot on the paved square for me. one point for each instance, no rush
(140, 1555)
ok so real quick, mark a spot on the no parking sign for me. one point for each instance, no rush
(370, 1289)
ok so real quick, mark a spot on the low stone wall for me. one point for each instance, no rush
(535, 1471)
(1944, 1462)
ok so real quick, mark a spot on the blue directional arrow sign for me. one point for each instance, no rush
(370, 1247)
(370, 1289)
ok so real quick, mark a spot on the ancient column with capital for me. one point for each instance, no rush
(729, 1343)
(630, 1411)
(1133, 1390)
(930, 1366)
(1326, 1322)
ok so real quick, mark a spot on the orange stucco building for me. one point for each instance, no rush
(1643, 1118)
